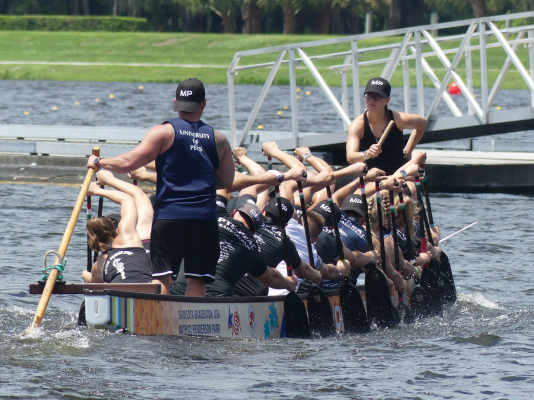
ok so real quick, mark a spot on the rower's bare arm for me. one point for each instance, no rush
(141, 174)
(242, 181)
(240, 155)
(304, 271)
(271, 149)
(226, 171)
(157, 140)
(151, 166)
(273, 278)
(415, 122)
(355, 133)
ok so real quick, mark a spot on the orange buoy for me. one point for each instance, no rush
(454, 89)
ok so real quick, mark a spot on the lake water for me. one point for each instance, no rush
(482, 348)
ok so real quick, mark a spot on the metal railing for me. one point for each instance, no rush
(415, 44)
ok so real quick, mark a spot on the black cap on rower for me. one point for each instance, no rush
(378, 85)
(115, 218)
(287, 210)
(254, 213)
(354, 203)
(324, 209)
(189, 94)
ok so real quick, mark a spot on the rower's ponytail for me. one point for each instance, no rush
(100, 232)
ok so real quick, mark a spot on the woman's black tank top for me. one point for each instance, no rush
(127, 265)
(392, 156)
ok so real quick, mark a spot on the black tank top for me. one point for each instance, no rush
(392, 157)
(127, 265)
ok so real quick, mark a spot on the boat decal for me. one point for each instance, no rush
(252, 324)
(271, 322)
(234, 322)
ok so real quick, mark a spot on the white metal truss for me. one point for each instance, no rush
(415, 47)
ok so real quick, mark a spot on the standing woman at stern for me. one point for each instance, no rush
(367, 129)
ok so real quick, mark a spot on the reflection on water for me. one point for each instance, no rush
(481, 348)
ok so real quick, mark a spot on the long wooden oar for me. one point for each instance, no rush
(354, 315)
(376, 286)
(297, 325)
(443, 263)
(404, 310)
(319, 308)
(51, 281)
(386, 133)
(390, 316)
(458, 231)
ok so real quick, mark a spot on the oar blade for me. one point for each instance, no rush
(405, 313)
(297, 325)
(320, 313)
(449, 287)
(430, 283)
(354, 315)
(380, 310)
(420, 301)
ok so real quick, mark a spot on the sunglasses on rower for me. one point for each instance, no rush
(373, 96)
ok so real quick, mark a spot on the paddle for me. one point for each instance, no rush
(99, 214)
(376, 286)
(419, 299)
(386, 133)
(297, 325)
(54, 272)
(319, 309)
(457, 232)
(404, 310)
(429, 280)
(89, 251)
(391, 316)
(443, 263)
(354, 316)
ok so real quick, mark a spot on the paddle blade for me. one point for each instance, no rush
(405, 313)
(354, 315)
(449, 287)
(320, 313)
(420, 301)
(431, 283)
(297, 325)
(379, 307)
(81, 315)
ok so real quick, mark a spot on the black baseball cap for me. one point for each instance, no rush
(254, 213)
(245, 198)
(378, 85)
(189, 94)
(287, 210)
(221, 203)
(354, 203)
(324, 209)
(115, 218)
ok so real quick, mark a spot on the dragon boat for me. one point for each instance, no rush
(140, 309)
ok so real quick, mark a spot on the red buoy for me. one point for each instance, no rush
(454, 89)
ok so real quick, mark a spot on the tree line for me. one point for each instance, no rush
(272, 16)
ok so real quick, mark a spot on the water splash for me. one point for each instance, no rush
(477, 299)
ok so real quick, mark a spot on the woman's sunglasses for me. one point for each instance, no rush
(373, 96)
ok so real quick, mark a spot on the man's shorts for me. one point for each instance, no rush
(196, 241)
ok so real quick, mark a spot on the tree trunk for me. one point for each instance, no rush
(290, 23)
(394, 15)
(228, 22)
(76, 10)
(479, 8)
(354, 24)
(86, 10)
(251, 18)
(115, 7)
(322, 19)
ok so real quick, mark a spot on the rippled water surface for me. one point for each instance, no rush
(483, 347)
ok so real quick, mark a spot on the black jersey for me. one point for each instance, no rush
(127, 265)
(239, 255)
(392, 156)
(269, 239)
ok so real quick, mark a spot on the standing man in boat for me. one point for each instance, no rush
(367, 129)
(192, 161)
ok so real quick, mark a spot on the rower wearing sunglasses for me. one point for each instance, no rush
(367, 129)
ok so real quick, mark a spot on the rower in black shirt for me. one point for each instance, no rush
(239, 255)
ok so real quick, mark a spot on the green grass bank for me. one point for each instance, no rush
(207, 57)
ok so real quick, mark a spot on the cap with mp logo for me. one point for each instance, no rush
(189, 94)
(378, 85)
